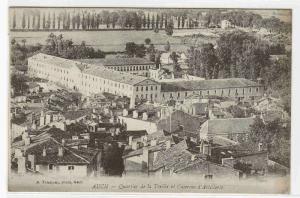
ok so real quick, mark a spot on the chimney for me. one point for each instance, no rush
(153, 142)
(260, 146)
(32, 160)
(27, 141)
(125, 112)
(130, 140)
(60, 151)
(135, 114)
(207, 149)
(144, 140)
(168, 144)
(18, 153)
(44, 152)
(201, 146)
(145, 116)
(134, 145)
(63, 141)
(21, 165)
(42, 120)
(145, 158)
(158, 114)
(33, 126)
(193, 157)
(24, 135)
(48, 119)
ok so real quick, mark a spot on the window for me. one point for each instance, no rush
(146, 88)
(250, 90)
(137, 88)
(178, 95)
(70, 167)
(142, 88)
(208, 176)
(185, 93)
(151, 88)
(155, 87)
(51, 166)
(256, 89)
(207, 92)
(146, 96)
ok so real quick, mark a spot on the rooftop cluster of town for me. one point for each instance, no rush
(130, 116)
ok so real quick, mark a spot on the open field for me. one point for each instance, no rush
(104, 40)
(116, 40)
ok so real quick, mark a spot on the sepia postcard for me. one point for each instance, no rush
(168, 100)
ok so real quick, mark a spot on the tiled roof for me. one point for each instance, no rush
(171, 155)
(90, 69)
(117, 76)
(62, 62)
(231, 125)
(116, 61)
(190, 123)
(73, 115)
(52, 157)
(207, 84)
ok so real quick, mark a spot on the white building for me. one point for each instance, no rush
(92, 79)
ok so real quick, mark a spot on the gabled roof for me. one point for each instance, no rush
(229, 126)
(113, 75)
(207, 84)
(117, 61)
(73, 115)
(171, 155)
(190, 124)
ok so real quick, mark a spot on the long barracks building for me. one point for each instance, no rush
(89, 78)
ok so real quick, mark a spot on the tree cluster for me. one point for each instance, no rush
(135, 50)
(274, 136)
(57, 46)
(237, 55)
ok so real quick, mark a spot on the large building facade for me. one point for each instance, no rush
(90, 79)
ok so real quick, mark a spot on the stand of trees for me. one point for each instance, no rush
(275, 138)
(125, 19)
(57, 46)
(112, 159)
(135, 50)
(237, 55)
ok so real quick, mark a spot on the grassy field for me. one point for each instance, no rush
(104, 40)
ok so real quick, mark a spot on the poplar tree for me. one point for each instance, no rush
(53, 21)
(14, 20)
(23, 20)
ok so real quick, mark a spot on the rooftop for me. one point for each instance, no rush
(190, 124)
(116, 61)
(91, 69)
(231, 125)
(207, 84)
